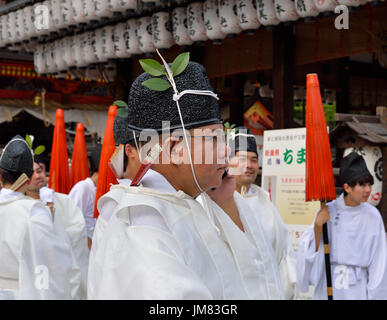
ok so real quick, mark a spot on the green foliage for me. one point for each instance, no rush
(39, 149)
(154, 68)
(156, 84)
(122, 110)
(329, 111)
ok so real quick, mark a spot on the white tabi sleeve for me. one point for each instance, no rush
(310, 264)
(377, 270)
(46, 261)
(142, 261)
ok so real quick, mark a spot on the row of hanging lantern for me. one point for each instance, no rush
(199, 21)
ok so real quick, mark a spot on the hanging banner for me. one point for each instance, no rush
(283, 176)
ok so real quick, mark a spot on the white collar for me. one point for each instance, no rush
(8, 193)
(154, 180)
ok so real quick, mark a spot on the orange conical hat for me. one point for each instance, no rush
(59, 178)
(105, 174)
(79, 163)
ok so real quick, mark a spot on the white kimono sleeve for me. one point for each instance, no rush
(310, 264)
(377, 270)
(142, 262)
(46, 261)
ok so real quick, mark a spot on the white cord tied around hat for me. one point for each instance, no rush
(176, 98)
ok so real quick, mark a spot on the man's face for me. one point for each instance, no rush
(209, 155)
(245, 165)
(359, 193)
(38, 179)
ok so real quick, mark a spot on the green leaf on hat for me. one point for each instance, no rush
(39, 150)
(120, 103)
(122, 112)
(156, 84)
(29, 141)
(152, 67)
(180, 63)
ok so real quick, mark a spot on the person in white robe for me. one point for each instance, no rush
(83, 194)
(68, 220)
(35, 262)
(244, 163)
(357, 242)
(131, 164)
(161, 243)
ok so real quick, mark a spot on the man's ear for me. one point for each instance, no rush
(130, 151)
(347, 188)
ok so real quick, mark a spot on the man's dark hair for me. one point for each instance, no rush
(8, 177)
(360, 181)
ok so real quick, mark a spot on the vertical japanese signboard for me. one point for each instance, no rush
(283, 176)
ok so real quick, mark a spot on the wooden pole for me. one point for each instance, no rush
(327, 258)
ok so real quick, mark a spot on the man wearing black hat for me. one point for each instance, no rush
(160, 242)
(68, 220)
(34, 261)
(83, 193)
(244, 161)
(357, 241)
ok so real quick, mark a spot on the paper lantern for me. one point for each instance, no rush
(131, 42)
(352, 3)
(3, 31)
(11, 30)
(28, 23)
(41, 19)
(20, 34)
(47, 58)
(266, 13)
(306, 8)
(196, 28)
(67, 12)
(79, 13)
(180, 27)
(325, 5)
(39, 63)
(247, 15)
(129, 5)
(102, 9)
(228, 17)
(68, 52)
(90, 11)
(123, 6)
(58, 49)
(144, 34)
(52, 28)
(57, 15)
(88, 48)
(107, 42)
(98, 46)
(162, 30)
(76, 51)
(119, 41)
(212, 21)
(285, 10)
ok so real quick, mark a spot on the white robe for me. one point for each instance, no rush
(36, 260)
(278, 237)
(83, 194)
(162, 245)
(357, 252)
